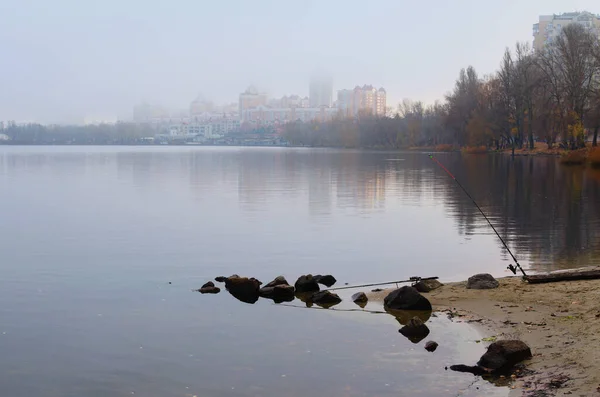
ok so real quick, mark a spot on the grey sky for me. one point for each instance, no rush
(64, 60)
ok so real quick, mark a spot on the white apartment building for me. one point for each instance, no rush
(549, 26)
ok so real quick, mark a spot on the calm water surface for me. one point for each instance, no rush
(91, 237)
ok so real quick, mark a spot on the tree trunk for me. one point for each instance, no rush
(595, 141)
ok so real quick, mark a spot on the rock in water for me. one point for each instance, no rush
(325, 299)
(327, 280)
(406, 298)
(504, 354)
(279, 293)
(243, 288)
(360, 298)
(306, 283)
(415, 330)
(279, 280)
(209, 288)
(482, 281)
(431, 346)
(221, 279)
(427, 285)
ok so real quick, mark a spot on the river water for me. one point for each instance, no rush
(101, 247)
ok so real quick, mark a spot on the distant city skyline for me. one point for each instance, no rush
(78, 61)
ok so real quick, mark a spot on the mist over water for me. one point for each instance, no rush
(91, 236)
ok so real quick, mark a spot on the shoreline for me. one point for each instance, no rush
(559, 322)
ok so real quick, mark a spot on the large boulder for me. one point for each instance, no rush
(415, 330)
(306, 283)
(220, 279)
(325, 299)
(279, 293)
(243, 288)
(406, 298)
(482, 281)
(504, 354)
(279, 280)
(427, 285)
(327, 280)
(209, 288)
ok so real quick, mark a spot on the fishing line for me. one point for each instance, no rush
(511, 267)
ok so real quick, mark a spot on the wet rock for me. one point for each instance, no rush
(306, 283)
(431, 346)
(406, 298)
(482, 281)
(360, 298)
(415, 330)
(279, 280)
(325, 299)
(427, 285)
(221, 279)
(279, 293)
(243, 288)
(327, 280)
(209, 288)
(504, 354)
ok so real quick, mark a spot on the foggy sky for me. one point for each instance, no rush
(64, 60)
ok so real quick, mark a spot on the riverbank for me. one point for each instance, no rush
(559, 321)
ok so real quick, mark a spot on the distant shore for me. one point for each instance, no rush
(559, 321)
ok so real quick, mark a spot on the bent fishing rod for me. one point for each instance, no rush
(511, 267)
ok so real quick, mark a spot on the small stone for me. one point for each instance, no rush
(482, 281)
(360, 297)
(306, 283)
(415, 330)
(431, 346)
(279, 280)
(207, 285)
(427, 285)
(504, 354)
(325, 299)
(327, 280)
(221, 279)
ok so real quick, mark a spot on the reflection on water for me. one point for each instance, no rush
(91, 237)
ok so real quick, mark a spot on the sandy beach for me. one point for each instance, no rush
(560, 322)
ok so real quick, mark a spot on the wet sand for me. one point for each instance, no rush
(559, 321)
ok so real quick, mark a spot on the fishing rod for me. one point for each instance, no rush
(412, 279)
(511, 267)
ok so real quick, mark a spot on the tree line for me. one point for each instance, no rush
(101, 134)
(550, 95)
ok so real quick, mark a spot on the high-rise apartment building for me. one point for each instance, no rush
(320, 90)
(365, 99)
(251, 99)
(550, 26)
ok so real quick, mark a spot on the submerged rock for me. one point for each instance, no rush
(279, 280)
(427, 285)
(325, 299)
(482, 281)
(279, 293)
(415, 330)
(243, 288)
(406, 298)
(504, 354)
(327, 280)
(209, 288)
(306, 283)
(431, 346)
(500, 358)
(360, 298)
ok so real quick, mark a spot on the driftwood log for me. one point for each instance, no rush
(582, 273)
